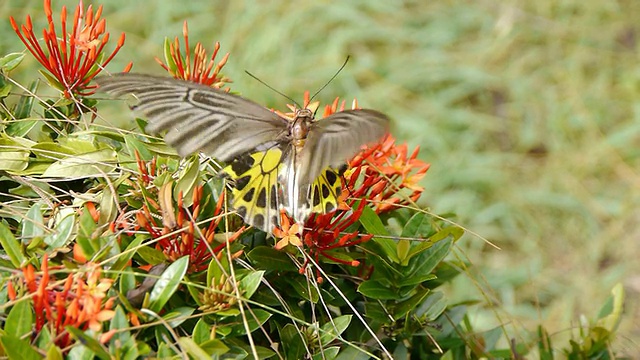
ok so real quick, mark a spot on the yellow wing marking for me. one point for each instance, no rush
(255, 190)
(324, 192)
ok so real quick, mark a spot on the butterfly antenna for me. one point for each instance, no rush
(272, 88)
(333, 77)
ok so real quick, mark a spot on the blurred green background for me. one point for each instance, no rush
(527, 110)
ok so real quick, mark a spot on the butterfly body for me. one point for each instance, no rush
(273, 162)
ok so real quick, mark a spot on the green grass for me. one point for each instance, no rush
(527, 111)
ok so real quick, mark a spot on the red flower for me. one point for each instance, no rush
(376, 177)
(180, 234)
(72, 58)
(76, 302)
(383, 171)
(203, 72)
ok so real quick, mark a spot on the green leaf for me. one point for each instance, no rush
(292, 343)
(5, 88)
(33, 224)
(62, 233)
(403, 307)
(127, 254)
(402, 249)
(51, 80)
(50, 150)
(108, 207)
(23, 111)
(44, 339)
(162, 149)
(429, 259)
(54, 353)
(433, 306)
(168, 284)
(18, 349)
(127, 281)
(14, 156)
(187, 181)
(375, 290)
(545, 348)
(20, 319)
(151, 255)
(250, 283)
(86, 224)
(201, 332)
(111, 135)
(332, 329)
(611, 313)
(415, 280)
(216, 347)
(175, 317)
(191, 348)
(455, 232)
(133, 144)
(218, 269)
(119, 322)
(372, 223)
(20, 128)
(88, 341)
(11, 246)
(269, 258)
(419, 226)
(353, 353)
(327, 353)
(11, 61)
(301, 286)
(94, 163)
(168, 58)
(256, 318)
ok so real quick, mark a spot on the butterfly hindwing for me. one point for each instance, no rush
(255, 187)
(325, 191)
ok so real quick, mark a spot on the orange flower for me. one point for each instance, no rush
(178, 233)
(289, 234)
(76, 303)
(204, 71)
(377, 176)
(72, 58)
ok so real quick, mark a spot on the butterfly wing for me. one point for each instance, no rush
(338, 137)
(198, 117)
(227, 127)
(256, 196)
(324, 192)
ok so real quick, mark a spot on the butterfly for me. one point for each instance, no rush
(273, 162)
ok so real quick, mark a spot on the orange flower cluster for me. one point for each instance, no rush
(384, 171)
(180, 235)
(72, 58)
(77, 303)
(203, 72)
(377, 176)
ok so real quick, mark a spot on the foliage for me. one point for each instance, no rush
(115, 247)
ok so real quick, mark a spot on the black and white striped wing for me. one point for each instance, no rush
(198, 117)
(337, 138)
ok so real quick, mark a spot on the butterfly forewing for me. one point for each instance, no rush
(339, 137)
(198, 117)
